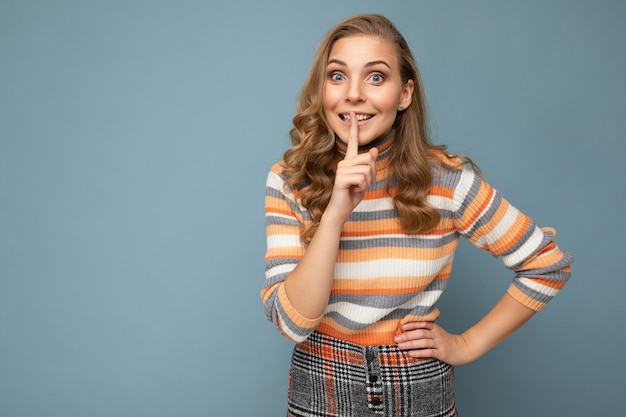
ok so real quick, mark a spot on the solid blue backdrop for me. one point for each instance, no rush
(135, 137)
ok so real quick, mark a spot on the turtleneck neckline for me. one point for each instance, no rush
(383, 144)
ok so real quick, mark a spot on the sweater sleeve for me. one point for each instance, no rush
(283, 220)
(491, 223)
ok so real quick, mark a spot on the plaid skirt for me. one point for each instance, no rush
(331, 377)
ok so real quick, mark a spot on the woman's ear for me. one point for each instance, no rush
(406, 97)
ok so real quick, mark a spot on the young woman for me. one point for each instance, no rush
(364, 215)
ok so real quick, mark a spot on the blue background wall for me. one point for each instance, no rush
(135, 137)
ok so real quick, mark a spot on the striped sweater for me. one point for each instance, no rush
(385, 278)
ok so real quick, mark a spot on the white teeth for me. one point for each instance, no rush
(359, 117)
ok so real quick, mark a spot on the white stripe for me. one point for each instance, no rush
(279, 270)
(289, 332)
(501, 229)
(276, 182)
(386, 203)
(480, 215)
(367, 315)
(525, 250)
(438, 201)
(377, 204)
(390, 267)
(423, 299)
(535, 286)
(465, 182)
(288, 240)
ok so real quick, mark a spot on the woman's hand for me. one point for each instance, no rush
(355, 173)
(426, 339)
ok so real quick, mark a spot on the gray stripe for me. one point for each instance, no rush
(281, 220)
(547, 238)
(287, 322)
(445, 176)
(271, 263)
(470, 197)
(369, 216)
(273, 192)
(394, 315)
(415, 242)
(373, 300)
(527, 234)
(486, 216)
(547, 273)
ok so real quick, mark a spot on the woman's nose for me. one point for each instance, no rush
(355, 91)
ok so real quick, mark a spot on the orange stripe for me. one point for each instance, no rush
(267, 292)
(549, 283)
(379, 333)
(282, 229)
(524, 299)
(279, 209)
(441, 191)
(512, 236)
(495, 221)
(284, 252)
(382, 226)
(478, 205)
(377, 194)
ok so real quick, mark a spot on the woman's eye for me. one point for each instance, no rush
(377, 78)
(335, 76)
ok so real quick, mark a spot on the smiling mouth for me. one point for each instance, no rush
(359, 117)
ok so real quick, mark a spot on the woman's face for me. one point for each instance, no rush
(363, 76)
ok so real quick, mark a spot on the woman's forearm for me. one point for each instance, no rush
(504, 319)
(308, 286)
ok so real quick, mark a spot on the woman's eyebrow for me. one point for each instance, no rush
(369, 64)
(374, 63)
(336, 61)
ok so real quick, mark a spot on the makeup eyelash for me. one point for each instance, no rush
(377, 74)
(332, 74)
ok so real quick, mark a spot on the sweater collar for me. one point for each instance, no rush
(383, 144)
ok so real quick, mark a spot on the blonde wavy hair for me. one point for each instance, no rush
(310, 163)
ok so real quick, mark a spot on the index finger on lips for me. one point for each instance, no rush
(353, 137)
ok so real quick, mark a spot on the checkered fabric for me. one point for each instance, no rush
(331, 377)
